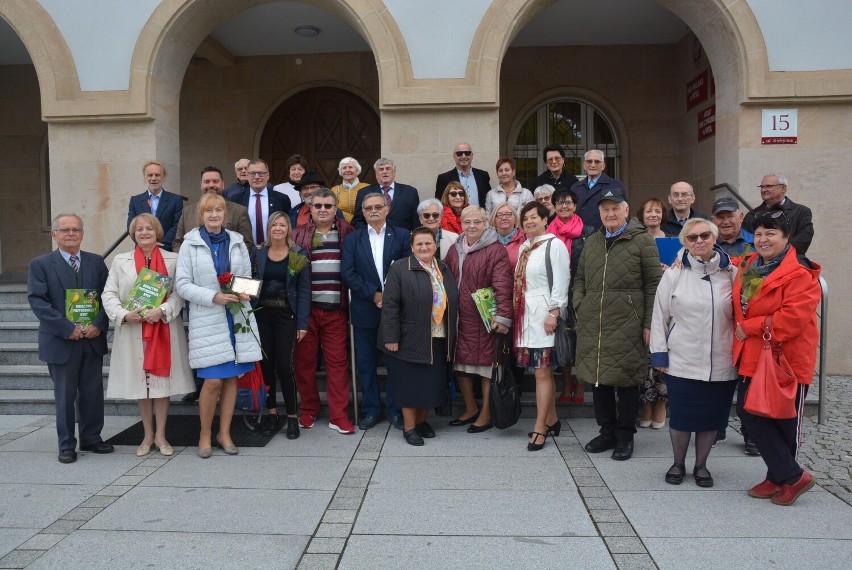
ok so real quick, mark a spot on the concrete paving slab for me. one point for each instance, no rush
(646, 473)
(107, 550)
(37, 506)
(9, 423)
(36, 468)
(456, 442)
(12, 538)
(319, 441)
(505, 473)
(699, 513)
(451, 552)
(745, 553)
(473, 513)
(245, 472)
(214, 510)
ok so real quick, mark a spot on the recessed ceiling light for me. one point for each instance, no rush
(307, 31)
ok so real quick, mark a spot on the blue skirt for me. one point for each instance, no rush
(696, 406)
(227, 369)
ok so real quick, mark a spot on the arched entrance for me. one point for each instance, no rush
(323, 124)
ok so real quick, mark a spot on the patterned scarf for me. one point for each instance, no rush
(520, 289)
(754, 275)
(505, 240)
(439, 293)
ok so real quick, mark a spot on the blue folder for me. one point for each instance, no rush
(668, 247)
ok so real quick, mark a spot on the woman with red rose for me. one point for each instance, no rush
(209, 256)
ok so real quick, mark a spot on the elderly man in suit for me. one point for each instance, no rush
(237, 218)
(74, 352)
(402, 199)
(166, 206)
(476, 182)
(241, 171)
(367, 255)
(596, 185)
(260, 200)
(797, 217)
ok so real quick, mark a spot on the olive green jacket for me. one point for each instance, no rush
(613, 299)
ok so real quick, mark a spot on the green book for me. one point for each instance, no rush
(81, 306)
(486, 304)
(148, 291)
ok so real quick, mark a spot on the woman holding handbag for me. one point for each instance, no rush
(776, 282)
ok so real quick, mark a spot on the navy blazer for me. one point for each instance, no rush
(587, 206)
(47, 281)
(482, 178)
(403, 212)
(298, 287)
(169, 211)
(359, 270)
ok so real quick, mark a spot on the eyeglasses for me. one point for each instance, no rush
(555, 159)
(681, 195)
(257, 174)
(591, 161)
(66, 231)
(456, 194)
(762, 186)
(321, 206)
(771, 215)
(473, 222)
(430, 215)
(565, 202)
(705, 236)
(543, 198)
(463, 153)
(242, 168)
(372, 208)
(505, 215)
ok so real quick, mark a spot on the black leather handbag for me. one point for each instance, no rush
(505, 398)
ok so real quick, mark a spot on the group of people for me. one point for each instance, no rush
(405, 272)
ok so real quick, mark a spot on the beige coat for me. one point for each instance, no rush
(126, 377)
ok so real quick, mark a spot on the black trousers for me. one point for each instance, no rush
(277, 327)
(777, 440)
(616, 410)
(79, 381)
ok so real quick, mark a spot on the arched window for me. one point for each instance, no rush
(576, 125)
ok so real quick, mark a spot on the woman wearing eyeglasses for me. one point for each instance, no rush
(430, 213)
(454, 200)
(508, 191)
(544, 195)
(776, 282)
(691, 343)
(477, 261)
(504, 219)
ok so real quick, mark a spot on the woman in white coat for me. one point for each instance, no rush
(692, 339)
(154, 337)
(215, 352)
(539, 300)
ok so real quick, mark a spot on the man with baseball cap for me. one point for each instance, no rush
(728, 217)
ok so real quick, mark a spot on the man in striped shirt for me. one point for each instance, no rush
(322, 239)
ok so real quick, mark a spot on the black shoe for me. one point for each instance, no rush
(368, 422)
(67, 456)
(270, 425)
(412, 437)
(702, 481)
(292, 428)
(100, 447)
(191, 397)
(463, 422)
(532, 446)
(396, 421)
(751, 447)
(425, 430)
(600, 444)
(473, 428)
(623, 450)
(675, 478)
(553, 430)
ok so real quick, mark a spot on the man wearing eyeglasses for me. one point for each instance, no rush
(681, 199)
(555, 175)
(165, 206)
(323, 238)
(241, 170)
(476, 182)
(799, 219)
(367, 255)
(260, 200)
(402, 198)
(596, 185)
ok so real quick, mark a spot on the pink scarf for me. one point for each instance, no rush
(566, 231)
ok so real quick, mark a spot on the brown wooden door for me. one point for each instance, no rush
(323, 124)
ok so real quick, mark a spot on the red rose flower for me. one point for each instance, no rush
(225, 279)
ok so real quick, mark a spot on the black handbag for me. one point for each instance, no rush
(565, 336)
(504, 398)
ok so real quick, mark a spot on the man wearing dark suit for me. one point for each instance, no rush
(596, 184)
(166, 206)
(555, 175)
(260, 200)
(799, 218)
(476, 182)
(74, 353)
(402, 198)
(241, 170)
(367, 255)
(236, 216)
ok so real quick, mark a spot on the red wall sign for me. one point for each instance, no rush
(697, 90)
(707, 122)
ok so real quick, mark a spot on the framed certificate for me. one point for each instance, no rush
(246, 285)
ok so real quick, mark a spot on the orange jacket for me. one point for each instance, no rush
(790, 294)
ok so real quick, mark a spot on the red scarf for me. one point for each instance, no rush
(450, 221)
(155, 336)
(520, 290)
(566, 231)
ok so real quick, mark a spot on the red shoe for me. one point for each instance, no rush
(790, 493)
(765, 490)
(343, 425)
(564, 399)
(578, 398)
(306, 421)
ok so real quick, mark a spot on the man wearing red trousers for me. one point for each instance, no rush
(322, 238)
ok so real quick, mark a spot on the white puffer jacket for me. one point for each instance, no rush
(196, 281)
(692, 329)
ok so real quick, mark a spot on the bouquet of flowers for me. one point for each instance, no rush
(296, 263)
(226, 281)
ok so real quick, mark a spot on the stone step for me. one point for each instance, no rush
(18, 331)
(14, 294)
(16, 312)
(24, 353)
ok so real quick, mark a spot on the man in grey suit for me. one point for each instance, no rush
(74, 353)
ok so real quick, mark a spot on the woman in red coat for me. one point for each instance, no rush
(775, 281)
(478, 260)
